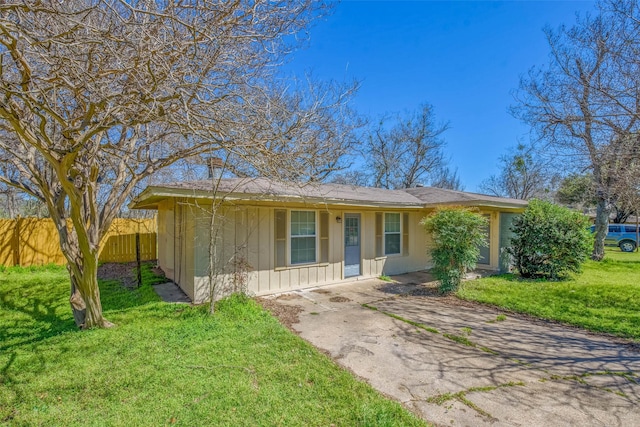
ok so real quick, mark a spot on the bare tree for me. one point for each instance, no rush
(587, 101)
(16, 202)
(8, 192)
(624, 166)
(354, 177)
(406, 152)
(523, 175)
(628, 193)
(97, 95)
(446, 178)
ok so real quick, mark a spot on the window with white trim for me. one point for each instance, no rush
(392, 234)
(303, 237)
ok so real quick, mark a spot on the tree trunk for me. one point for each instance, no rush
(603, 210)
(622, 215)
(85, 296)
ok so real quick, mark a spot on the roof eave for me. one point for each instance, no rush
(151, 196)
(480, 203)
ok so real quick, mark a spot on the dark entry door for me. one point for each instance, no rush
(351, 245)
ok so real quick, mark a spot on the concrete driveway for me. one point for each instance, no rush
(463, 365)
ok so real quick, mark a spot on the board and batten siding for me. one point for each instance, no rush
(166, 243)
(245, 235)
(414, 252)
(175, 242)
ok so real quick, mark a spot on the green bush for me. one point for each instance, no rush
(457, 234)
(551, 241)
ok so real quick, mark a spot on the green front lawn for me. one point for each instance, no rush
(166, 364)
(605, 297)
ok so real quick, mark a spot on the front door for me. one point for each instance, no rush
(351, 245)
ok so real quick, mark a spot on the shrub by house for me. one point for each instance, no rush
(551, 241)
(457, 235)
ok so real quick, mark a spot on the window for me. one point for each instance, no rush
(392, 233)
(630, 229)
(303, 237)
(614, 229)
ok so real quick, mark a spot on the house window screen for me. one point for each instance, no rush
(392, 233)
(303, 237)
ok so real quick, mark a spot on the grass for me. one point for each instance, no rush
(605, 297)
(461, 396)
(166, 364)
(402, 319)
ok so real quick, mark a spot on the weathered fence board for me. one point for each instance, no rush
(34, 241)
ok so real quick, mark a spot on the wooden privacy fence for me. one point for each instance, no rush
(34, 241)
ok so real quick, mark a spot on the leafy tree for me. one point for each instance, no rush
(584, 104)
(407, 151)
(551, 241)
(457, 234)
(97, 95)
(576, 190)
(523, 175)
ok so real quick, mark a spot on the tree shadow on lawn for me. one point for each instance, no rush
(31, 319)
(34, 315)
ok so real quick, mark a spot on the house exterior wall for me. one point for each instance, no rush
(185, 216)
(166, 236)
(245, 236)
(500, 237)
(245, 247)
(494, 240)
(175, 242)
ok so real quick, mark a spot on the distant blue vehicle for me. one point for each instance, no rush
(621, 235)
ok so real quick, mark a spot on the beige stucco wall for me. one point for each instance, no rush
(245, 233)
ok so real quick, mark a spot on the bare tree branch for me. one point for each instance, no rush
(98, 95)
(404, 154)
(585, 104)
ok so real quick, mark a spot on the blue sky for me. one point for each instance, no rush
(464, 58)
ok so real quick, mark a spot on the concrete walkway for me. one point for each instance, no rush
(170, 292)
(462, 366)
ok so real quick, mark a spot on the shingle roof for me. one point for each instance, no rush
(438, 196)
(266, 189)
